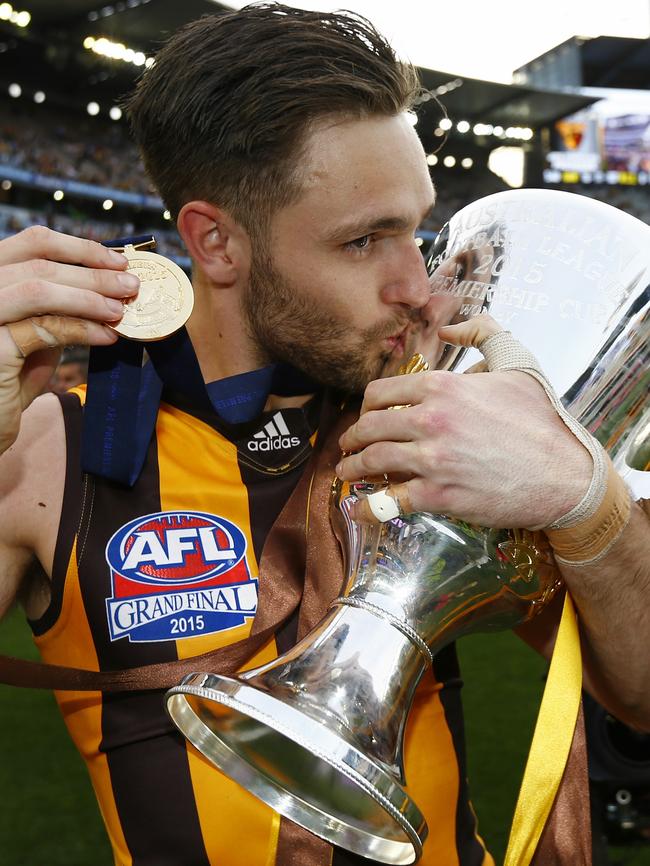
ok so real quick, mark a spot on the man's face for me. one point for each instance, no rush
(66, 376)
(342, 278)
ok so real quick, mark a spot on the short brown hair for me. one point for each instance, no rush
(224, 112)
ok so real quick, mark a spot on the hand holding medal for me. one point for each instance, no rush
(164, 301)
(57, 290)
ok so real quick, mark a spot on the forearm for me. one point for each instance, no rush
(611, 596)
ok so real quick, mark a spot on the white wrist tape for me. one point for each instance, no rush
(503, 352)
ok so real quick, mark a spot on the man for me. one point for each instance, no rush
(279, 140)
(72, 370)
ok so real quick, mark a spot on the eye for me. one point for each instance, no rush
(361, 243)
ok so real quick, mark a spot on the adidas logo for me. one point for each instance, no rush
(274, 437)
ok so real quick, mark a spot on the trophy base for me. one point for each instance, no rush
(299, 767)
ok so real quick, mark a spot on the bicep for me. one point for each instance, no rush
(32, 475)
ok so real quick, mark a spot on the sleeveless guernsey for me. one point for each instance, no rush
(167, 570)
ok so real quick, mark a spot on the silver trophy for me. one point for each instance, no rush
(318, 733)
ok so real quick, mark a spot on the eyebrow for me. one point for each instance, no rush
(360, 227)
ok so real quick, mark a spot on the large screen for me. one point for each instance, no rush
(608, 142)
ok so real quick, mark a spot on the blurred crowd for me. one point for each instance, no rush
(13, 219)
(91, 150)
(634, 200)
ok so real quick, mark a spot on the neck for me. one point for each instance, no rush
(221, 339)
(218, 332)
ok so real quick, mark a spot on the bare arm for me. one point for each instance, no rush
(32, 475)
(54, 290)
(611, 597)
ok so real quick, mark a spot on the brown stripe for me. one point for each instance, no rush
(323, 580)
(446, 670)
(566, 839)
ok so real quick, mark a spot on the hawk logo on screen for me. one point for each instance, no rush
(178, 574)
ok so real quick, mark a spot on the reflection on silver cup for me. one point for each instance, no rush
(570, 277)
(318, 733)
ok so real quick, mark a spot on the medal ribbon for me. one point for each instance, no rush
(123, 395)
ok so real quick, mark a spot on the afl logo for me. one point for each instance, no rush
(175, 548)
(178, 574)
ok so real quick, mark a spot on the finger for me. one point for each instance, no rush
(472, 332)
(386, 504)
(40, 242)
(399, 500)
(382, 458)
(38, 297)
(406, 390)
(380, 426)
(118, 284)
(48, 332)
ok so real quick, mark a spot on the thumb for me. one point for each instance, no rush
(473, 332)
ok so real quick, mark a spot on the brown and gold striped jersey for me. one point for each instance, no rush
(168, 569)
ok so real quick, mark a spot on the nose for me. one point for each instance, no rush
(408, 284)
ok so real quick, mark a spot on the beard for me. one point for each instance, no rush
(288, 326)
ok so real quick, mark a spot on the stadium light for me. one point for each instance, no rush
(432, 159)
(15, 90)
(449, 161)
(58, 195)
(167, 215)
(445, 123)
(468, 162)
(462, 126)
(92, 108)
(508, 164)
(8, 13)
(115, 113)
(116, 51)
(483, 129)
(107, 204)
(39, 97)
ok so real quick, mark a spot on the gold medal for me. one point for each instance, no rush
(164, 301)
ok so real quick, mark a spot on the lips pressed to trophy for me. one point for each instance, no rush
(317, 734)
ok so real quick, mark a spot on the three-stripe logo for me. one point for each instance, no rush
(274, 436)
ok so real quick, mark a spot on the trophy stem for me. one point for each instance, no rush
(317, 734)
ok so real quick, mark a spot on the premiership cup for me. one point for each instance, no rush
(317, 734)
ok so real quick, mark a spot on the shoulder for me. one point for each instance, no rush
(32, 476)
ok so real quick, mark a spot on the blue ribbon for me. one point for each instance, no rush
(123, 396)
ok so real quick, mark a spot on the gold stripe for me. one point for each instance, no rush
(549, 750)
(199, 471)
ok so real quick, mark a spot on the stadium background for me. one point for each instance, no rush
(66, 161)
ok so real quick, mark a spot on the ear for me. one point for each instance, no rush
(216, 242)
